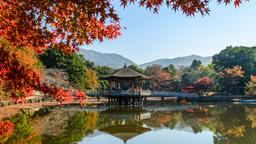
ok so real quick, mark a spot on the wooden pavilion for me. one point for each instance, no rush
(126, 86)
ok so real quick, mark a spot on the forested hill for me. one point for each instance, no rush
(179, 61)
(106, 59)
(117, 61)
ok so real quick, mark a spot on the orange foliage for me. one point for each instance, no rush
(231, 79)
(236, 131)
(160, 77)
(19, 70)
(236, 71)
(92, 82)
(20, 74)
(6, 129)
(205, 81)
(200, 85)
(250, 88)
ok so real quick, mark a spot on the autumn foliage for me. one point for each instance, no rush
(202, 84)
(91, 80)
(19, 70)
(236, 71)
(69, 24)
(6, 129)
(160, 78)
(231, 79)
(188, 7)
(64, 24)
(62, 95)
(250, 88)
(199, 86)
(20, 75)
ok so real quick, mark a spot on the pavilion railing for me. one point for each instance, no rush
(146, 93)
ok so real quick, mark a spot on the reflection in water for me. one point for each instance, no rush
(150, 124)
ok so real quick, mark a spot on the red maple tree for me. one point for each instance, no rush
(202, 84)
(199, 86)
(69, 24)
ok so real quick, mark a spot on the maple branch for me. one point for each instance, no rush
(5, 22)
(57, 4)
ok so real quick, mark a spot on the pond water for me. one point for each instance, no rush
(154, 123)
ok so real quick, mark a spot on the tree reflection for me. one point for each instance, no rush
(78, 126)
(230, 124)
(23, 132)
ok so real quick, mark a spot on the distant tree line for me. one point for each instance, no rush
(232, 72)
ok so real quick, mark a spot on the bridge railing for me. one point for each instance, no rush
(175, 94)
(114, 93)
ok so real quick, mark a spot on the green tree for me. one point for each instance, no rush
(90, 65)
(231, 80)
(74, 64)
(23, 132)
(103, 71)
(236, 56)
(208, 71)
(136, 68)
(78, 125)
(196, 64)
(171, 69)
(190, 74)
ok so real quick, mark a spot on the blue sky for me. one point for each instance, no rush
(166, 35)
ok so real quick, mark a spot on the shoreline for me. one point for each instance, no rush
(10, 110)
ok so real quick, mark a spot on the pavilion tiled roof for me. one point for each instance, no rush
(126, 73)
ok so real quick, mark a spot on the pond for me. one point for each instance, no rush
(152, 123)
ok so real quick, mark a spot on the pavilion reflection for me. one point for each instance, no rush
(124, 123)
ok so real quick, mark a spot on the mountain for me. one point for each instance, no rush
(106, 59)
(179, 61)
(117, 61)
